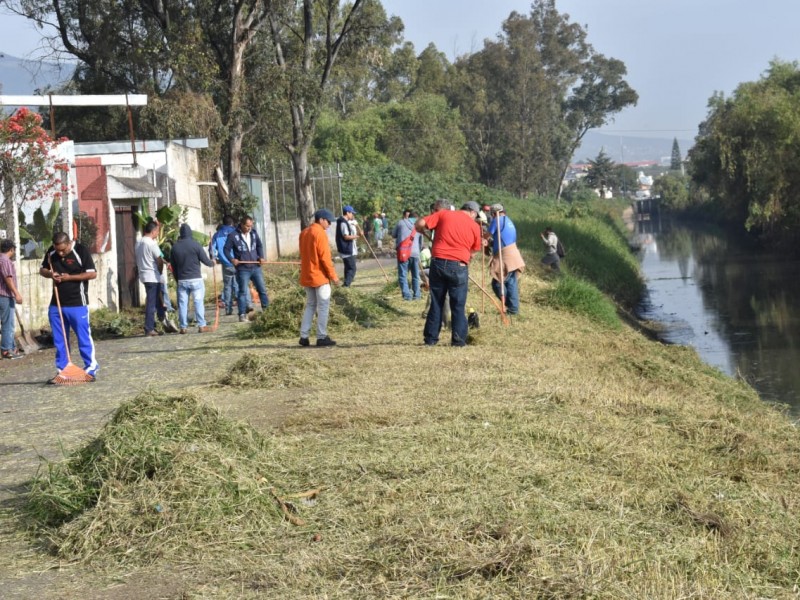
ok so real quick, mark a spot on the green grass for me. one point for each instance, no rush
(582, 298)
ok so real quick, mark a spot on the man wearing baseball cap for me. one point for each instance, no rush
(316, 275)
(346, 236)
(457, 238)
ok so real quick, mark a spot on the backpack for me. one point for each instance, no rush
(560, 250)
(404, 249)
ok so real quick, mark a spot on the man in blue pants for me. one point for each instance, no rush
(246, 252)
(70, 266)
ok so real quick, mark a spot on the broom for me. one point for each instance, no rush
(71, 374)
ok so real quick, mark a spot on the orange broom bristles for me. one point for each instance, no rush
(71, 375)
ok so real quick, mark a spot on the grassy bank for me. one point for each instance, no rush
(558, 457)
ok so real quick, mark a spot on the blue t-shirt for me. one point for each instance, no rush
(508, 233)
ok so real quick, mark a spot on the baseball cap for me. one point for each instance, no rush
(471, 205)
(324, 213)
(349, 209)
(498, 208)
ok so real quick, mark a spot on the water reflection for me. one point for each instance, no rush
(739, 307)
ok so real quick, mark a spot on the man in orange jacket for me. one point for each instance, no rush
(316, 275)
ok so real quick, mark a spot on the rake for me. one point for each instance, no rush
(70, 374)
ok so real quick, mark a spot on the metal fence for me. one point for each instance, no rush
(326, 186)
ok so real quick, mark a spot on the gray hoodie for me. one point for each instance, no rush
(187, 255)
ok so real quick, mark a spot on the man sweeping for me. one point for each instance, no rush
(69, 264)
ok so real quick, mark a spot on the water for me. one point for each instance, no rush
(737, 306)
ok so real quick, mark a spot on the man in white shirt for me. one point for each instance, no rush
(150, 265)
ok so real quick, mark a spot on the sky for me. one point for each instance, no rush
(677, 52)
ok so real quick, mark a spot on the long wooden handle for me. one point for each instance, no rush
(60, 314)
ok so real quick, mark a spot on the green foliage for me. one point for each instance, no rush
(393, 188)
(581, 297)
(746, 159)
(108, 324)
(673, 191)
(421, 133)
(601, 173)
(43, 227)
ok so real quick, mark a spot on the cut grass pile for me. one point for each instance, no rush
(279, 370)
(167, 478)
(350, 309)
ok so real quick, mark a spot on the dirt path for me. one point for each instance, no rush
(40, 419)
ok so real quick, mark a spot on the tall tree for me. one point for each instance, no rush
(528, 98)
(601, 93)
(306, 45)
(676, 160)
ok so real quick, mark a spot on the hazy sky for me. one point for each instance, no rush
(678, 52)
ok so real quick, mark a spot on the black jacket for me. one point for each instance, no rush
(187, 255)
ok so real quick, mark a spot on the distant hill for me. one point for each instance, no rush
(19, 76)
(628, 148)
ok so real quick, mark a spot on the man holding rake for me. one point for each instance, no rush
(69, 264)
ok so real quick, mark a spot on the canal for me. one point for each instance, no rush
(739, 307)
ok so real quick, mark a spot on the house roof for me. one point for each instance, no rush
(122, 188)
(96, 148)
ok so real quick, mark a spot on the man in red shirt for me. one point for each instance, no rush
(457, 238)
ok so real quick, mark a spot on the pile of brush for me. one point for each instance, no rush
(167, 477)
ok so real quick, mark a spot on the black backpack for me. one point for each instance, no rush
(560, 250)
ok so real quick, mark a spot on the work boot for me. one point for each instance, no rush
(326, 341)
(203, 329)
(304, 342)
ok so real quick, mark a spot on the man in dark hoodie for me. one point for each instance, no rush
(185, 258)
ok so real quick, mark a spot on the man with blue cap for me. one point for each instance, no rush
(316, 275)
(346, 236)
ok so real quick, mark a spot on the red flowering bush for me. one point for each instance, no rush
(28, 168)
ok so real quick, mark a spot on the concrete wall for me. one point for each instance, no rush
(36, 290)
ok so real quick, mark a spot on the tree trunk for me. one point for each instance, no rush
(235, 112)
(303, 189)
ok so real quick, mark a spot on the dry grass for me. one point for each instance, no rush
(555, 458)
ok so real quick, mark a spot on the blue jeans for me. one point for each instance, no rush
(512, 292)
(197, 289)
(229, 287)
(76, 318)
(349, 269)
(402, 277)
(152, 306)
(7, 322)
(447, 277)
(243, 278)
(163, 289)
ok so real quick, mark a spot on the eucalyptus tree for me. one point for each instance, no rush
(306, 44)
(529, 97)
